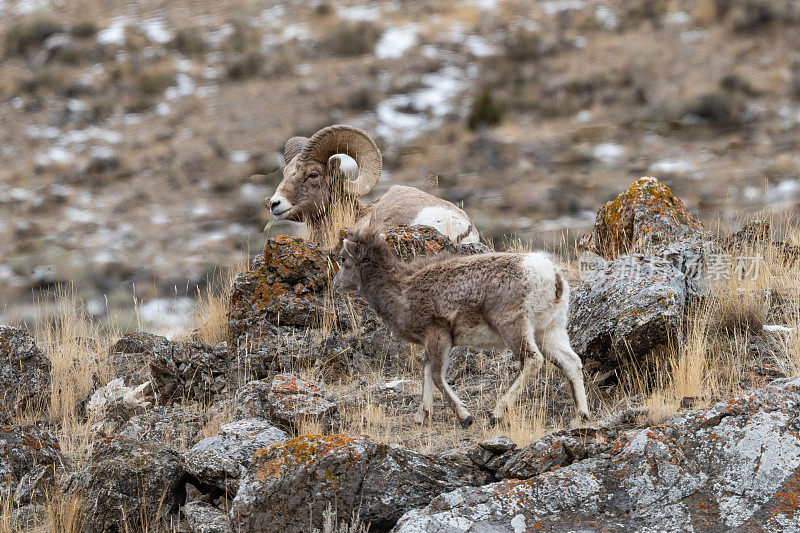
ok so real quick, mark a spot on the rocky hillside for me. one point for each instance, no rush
(131, 130)
(302, 418)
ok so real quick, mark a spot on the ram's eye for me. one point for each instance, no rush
(312, 176)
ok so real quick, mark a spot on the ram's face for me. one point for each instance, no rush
(348, 278)
(304, 192)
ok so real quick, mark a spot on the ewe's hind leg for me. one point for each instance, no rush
(523, 345)
(555, 343)
(426, 407)
(439, 345)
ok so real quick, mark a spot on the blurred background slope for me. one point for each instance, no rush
(130, 130)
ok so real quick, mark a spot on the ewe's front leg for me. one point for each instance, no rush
(426, 407)
(439, 345)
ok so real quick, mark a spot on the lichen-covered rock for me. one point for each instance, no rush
(644, 217)
(171, 425)
(24, 374)
(409, 242)
(733, 466)
(188, 371)
(552, 451)
(218, 460)
(630, 306)
(292, 400)
(131, 353)
(284, 286)
(128, 483)
(29, 455)
(252, 400)
(288, 486)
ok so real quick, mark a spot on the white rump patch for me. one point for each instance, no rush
(447, 222)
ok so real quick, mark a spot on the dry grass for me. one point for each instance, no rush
(211, 310)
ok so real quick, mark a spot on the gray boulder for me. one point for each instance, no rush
(631, 305)
(29, 459)
(288, 486)
(190, 371)
(24, 374)
(732, 466)
(292, 400)
(171, 425)
(128, 484)
(219, 460)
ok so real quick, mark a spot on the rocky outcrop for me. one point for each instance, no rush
(178, 370)
(171, 425)
(643, 218)
(24, 374)
(293, 400)
(288, 486)
(188, 371)
(732, 466)
(219, 460)
(628, 307)
(127, 482)
(28, 455)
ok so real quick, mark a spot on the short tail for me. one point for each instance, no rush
(559, 289)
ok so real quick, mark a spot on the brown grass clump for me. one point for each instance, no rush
(211, 311)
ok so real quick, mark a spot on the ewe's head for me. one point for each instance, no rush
(313, 180)
(359, 249)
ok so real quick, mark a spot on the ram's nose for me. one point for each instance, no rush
(279, 205)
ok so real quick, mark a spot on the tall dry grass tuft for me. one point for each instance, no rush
(79, 361)
(211, 310)
(342, 213)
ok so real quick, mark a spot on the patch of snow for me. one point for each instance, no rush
(554, 7)
(159, 219)
(300, 32)
(786, 191)
(239, 156)
(396, 41)
(162, 109)
(24, 7)
(17, 102)
(752, 194)
(679, 18)
(216, 37)
(394, 384)
(154, 30)
(477, 46)
(56, 154)
(115, 33)
(250, 191)
(606, 17)
(609, 153)
(273, 14)
(79, 216)
(580, 41)
(168, 316)
(131, 118)
(359, 13)
(693, 36)
(584, 115)
(22, 195)
(184, 86)
(777, 327)
(96, 306)
(666, 166)
(211, 73)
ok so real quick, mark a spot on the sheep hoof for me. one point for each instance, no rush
(467, 422)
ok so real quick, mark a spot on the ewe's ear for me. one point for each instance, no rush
(334, 163)
(348, 247)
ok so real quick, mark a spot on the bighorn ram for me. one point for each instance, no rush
(316, 190)
(517, 301)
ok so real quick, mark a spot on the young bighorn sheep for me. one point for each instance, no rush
(516, 301)
(315, 188)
